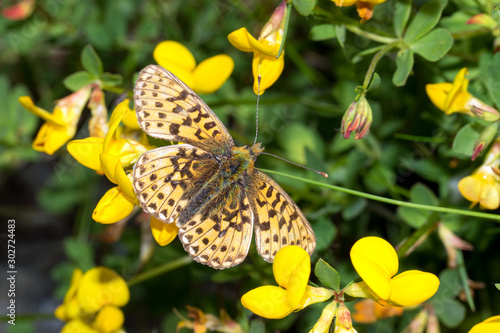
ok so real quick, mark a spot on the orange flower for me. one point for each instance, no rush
(369, 311)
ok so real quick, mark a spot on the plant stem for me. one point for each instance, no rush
(377, 38)
(373, 64)
(392, 201)
(170, 266)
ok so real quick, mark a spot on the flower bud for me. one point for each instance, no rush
(343, 322)
(484, 140)
(483, 20)
(357, 118)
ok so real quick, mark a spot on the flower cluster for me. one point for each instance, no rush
(483, 186)
(92, 302)
(376, 262)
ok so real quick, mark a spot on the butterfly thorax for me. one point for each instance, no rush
(242, 160)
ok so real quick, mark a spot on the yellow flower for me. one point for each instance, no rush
(491, 324)
(163, 233)
(60, 126)
(481, 187)
(92, 302)
(454, 97)
(119, 201)
(377, 263)
(205, 78)
(291, 268)
(87, 151)
(265, 49)
(365, 8)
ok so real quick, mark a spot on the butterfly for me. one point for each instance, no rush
(205, 184)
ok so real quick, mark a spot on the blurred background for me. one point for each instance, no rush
(407, 156)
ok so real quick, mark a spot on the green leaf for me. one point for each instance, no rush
(426, 19)
(497, 285)
(404, 65)
(322, 32)
(354, 208)
(419, 194)
(450, 312)
(111, 80)
(91, 61)
(434, 45)
(402, 12)
(304, 7)
(375, 83)
(78, 80)
(327, 275)
(493, 79)
(79, 252)
(340, 32)
(465, 139)
(325, 232)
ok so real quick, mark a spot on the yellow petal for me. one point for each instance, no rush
(489, 198)
(287, 261)
(163, 233)
(60, 313)
(87, 151)
(239, 39)
(264, 47)
(109, 319)
(267, 301)
(412, 287)
(438, 93)
(458, 97)
(269, 68)
(345, 3)
(108, 164)
(101, 286)
(211, 73)
(28, 104)
(79, 326)
(470, 187)
(176, 58)
(130, 120)
(73, 286)
(376, 262)
(114, 121)
(112, 207)
(51, 137)
(491, 324)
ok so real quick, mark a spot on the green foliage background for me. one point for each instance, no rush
(411, 153)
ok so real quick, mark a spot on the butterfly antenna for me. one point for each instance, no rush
(324, 174)
(257, 112)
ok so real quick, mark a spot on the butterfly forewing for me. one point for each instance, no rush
(220, 234)
(277, 219)
(163, 176)
(168, 109)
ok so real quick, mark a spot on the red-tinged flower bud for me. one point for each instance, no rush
(275, 23)
(358, 118)
(20, 11)
(484, 140)
(484, 111)
(483, 20)
(343, 322)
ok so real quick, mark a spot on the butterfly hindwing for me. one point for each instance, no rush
(168, 109)
(220, 234)
(163, 176)
(277, 219)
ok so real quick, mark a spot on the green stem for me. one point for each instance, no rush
(377, 38)
(170, 266)
(285, 32)
(373, 64)
(392, 201)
